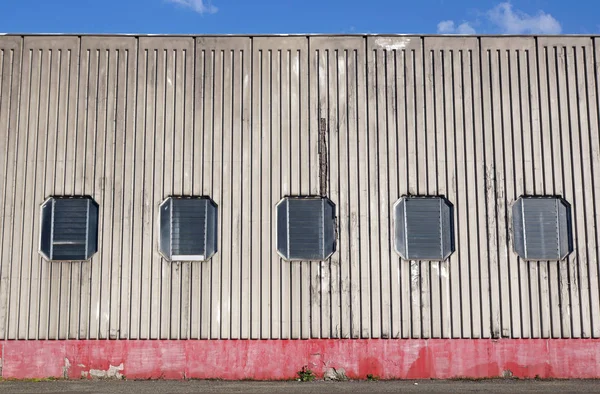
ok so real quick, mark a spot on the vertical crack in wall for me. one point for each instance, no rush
(323, 163)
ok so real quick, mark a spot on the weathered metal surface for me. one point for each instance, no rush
(131, 120)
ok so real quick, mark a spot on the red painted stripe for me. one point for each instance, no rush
(281, 359)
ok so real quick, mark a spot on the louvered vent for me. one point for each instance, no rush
(69, 228)
(423, 228)
(305, 228)
(542, 228)
(188, 229)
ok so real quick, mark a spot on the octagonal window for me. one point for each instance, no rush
(305, 228)
(542, 228)
(188, 228)
(424, 228)
(69, 228)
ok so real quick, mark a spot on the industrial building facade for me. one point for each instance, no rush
(491, 144)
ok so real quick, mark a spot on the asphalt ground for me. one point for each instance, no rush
(293, 387)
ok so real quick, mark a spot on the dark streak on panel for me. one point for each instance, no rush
(323, 163)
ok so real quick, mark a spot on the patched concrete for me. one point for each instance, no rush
(335, 374)
(113, 372)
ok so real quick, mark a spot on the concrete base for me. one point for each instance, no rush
(282, 359)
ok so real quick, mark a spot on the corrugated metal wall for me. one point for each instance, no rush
(132, 120)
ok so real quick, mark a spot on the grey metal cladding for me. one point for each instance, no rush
(424, 228)
(541, 228)
(69, 228)
(188, 229)
(306, 228)
(481, 126)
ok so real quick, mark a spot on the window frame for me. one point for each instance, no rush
(333, 233)
(565, 229)
(214, 240)
(91, 233)
(446, 251)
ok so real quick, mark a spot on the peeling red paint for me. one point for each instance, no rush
(267, 360)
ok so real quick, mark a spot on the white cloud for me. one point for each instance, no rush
(504, 19)
(448, 27)
(445, 27)
(516, 22)
(200, 6)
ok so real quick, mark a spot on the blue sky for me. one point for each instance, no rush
(300, 16)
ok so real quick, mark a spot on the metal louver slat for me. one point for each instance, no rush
(423, 228)
(188, 229)
(69, 227)
(305, 228)
(541, 228)
(188, 233)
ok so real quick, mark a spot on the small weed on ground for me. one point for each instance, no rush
(305, 374)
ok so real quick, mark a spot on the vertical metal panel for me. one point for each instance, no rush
(10, 98)
(500, 122)
(564, 97)
(280, 118)
(165, 94)
(106, 77)
(510, 70)
(284, 154)
(222, 124)
(393, 64)
(453, 65)
(590, 153)
(383, 94)
(565, 60)
(50, 69)
(129, 121)
(374, 203)
(338, 95)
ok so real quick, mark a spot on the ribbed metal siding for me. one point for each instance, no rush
(130, 121)
(166, 154)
